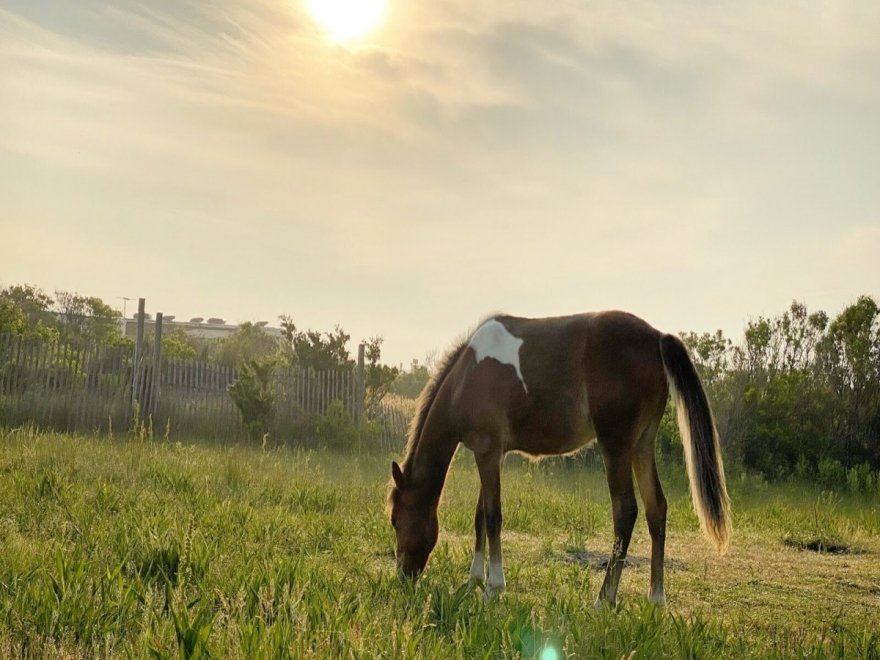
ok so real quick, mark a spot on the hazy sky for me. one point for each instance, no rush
(696, 163)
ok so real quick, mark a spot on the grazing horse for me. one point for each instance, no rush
(545, 387)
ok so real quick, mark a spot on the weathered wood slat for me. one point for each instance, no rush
(4, 350)
(80, 403)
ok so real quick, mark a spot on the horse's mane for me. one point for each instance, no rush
(426, 399)
(423, 407)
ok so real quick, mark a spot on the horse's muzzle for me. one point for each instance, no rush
(407, 567)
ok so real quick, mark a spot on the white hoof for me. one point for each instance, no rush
(493, 591)
(478, 571)
(602, 603)
(476, 581)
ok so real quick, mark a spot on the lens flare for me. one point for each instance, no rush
(549, 653)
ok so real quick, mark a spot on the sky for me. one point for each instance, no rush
(696, 163)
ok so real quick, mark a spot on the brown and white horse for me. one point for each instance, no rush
(545, 387)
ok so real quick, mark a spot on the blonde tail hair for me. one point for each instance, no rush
(700, 439)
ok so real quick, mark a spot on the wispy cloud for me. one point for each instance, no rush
(540, 158)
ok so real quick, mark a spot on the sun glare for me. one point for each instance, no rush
(345, 20)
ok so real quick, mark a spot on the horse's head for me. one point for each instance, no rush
(414, 519)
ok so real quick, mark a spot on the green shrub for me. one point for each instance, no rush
(802, 469)
(860, 479)
(831, 473)
(254, 396)
(295, 427)
(668, 443)
(335, 428)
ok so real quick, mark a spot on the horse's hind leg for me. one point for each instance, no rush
(478, 567)
(624, 510)
(655, 511)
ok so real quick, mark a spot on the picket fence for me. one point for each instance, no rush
(98, 388)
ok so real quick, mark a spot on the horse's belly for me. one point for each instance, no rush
(550, 434)
(550, 446)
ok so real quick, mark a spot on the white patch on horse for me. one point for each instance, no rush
(496, 583)
(657, 596)
(493, 340)
(478, 568)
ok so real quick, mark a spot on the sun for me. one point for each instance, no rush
(346, 20)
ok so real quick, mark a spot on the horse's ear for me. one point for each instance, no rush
(397, 474)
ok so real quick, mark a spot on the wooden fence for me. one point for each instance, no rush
(392, 416)
(99, 389)
(63, 387)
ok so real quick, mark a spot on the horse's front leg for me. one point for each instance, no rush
(478, 567)
(489, 466)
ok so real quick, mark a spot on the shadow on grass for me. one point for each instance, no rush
(822, 545)
(598, 561)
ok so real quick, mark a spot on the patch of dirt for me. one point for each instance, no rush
(820, 545)
(598, 561)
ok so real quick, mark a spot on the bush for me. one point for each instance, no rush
(802, 469)
(254, 396)
(296, 427)
(336, 428)
(832, 473)
(668, 443)
(861, 479)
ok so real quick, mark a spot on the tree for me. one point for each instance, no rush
(12, 320)
(177, 345)
(849, 359)
(378, 377)
(35, 303)
(711, 353)
(411, 383)
(86, 320)
(249, 342)
(314, 350)
(26, 311)
(799, 334)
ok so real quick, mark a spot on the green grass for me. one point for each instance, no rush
(150, 549)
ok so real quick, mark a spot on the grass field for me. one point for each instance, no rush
(149, 549)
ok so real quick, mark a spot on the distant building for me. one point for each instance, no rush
(196, 329)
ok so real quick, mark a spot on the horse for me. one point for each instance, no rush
(546, 387)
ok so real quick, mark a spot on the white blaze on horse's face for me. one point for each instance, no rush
(493, 340)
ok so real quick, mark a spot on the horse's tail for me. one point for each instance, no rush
(700, 439)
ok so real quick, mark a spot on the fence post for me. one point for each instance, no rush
(157, 365)
(136, 362)
(360, 387)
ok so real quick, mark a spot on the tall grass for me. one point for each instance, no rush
(155, 549)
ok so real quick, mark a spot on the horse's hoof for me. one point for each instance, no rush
(475, 582)
(492, 593)
(658, 599)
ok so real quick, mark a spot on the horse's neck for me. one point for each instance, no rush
(430, 461)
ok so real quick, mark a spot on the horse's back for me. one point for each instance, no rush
(550, 380)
